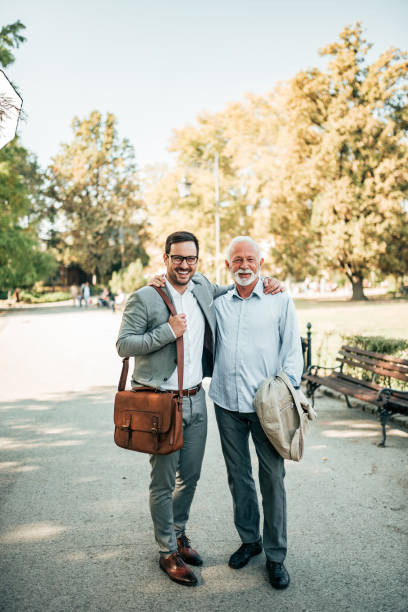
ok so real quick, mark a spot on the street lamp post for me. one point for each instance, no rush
(122, 246)
(184, 189)
(217, 218)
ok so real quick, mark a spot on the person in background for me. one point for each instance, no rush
(103, 299)
(74, 293)
(86, 293)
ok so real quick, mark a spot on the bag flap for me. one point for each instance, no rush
(143, 410)
(147, 422)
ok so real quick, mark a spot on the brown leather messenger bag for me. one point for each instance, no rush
(146, 419)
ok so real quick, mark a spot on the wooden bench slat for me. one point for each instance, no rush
(397, 360)
(373, 368)
(400, 403)
(344, 386)
(400, 394)
(380, 362)
(364, 383)
(358, 391)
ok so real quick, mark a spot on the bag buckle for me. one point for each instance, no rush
(155, 425)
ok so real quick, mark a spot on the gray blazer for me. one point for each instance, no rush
(145, 334)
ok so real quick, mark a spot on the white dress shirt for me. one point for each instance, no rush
(256, 337)
(193, 338)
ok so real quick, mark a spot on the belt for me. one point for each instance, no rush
(188, 392)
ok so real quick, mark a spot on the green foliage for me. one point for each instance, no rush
(94, 194)
(241, 136)
(33, 297)
(317, 170)
(378, 344)
(22, 262)
(343, 178)
(129, 279)
(22, 207)
(10, 38)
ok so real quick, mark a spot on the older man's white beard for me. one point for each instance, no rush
(244, 282)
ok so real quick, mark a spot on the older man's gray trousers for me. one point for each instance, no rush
(174, 477)
(234, 430)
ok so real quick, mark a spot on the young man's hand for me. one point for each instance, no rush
(273, 285)
(178, 324)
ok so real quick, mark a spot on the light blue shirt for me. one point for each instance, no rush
(256, 338)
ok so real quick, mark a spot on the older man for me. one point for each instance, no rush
(257, 336)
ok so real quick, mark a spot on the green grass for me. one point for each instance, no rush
(332, 319)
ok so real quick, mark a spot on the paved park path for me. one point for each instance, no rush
(75, 530)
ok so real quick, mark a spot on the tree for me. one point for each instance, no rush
(10, 38)
(238, 136)
(339, 188)
(95, 196)
(22, 259)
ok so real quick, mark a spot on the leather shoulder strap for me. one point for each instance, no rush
(179, 348)
(123, 375)
(165, 299)
(179, 343)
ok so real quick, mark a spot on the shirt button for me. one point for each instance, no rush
(164, 379)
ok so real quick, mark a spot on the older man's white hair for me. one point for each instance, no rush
(238, 239)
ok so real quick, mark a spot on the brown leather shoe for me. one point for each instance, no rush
(188, 554)
(177, 570)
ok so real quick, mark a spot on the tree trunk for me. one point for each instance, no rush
(357, 284)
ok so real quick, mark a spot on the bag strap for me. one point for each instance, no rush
(179, 349)
(123, 375)
(179, 344)
(297, 451)
(283, 376)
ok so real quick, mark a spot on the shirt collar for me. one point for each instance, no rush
(257, 290)
(174, 293)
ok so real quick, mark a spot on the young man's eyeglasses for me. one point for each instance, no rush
(178, 259)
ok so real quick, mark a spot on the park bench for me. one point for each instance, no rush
(374, 385)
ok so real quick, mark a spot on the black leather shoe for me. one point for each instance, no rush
(188, 554)
(243, 554)
(177, 570)
(278, 574)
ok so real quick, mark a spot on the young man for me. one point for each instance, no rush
(257, 336)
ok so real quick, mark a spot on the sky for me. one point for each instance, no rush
(156, 64)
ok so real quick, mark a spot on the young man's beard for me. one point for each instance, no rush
(174, 276)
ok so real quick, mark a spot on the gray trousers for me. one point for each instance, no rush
(174, 477)
(234, 430)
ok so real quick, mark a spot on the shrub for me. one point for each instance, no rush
(378, 344)
(129, 279)
(32, 297)
(398, 347)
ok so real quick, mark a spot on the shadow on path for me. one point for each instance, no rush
(47, 309)
(76, 531)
